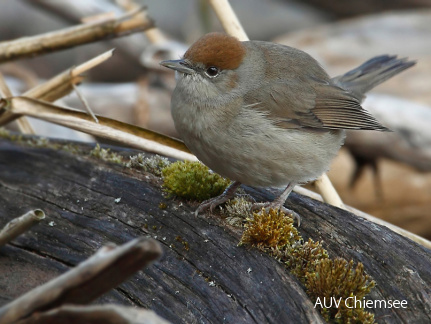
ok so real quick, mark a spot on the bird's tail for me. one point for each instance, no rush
(371, 73)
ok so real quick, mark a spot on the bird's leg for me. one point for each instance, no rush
(214, 202)
(278, 203)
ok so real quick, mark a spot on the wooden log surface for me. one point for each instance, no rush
(203, 276)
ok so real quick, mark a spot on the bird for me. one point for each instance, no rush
(268, 115)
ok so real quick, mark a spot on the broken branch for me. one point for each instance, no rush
(58, 86)
(19, 225)
(103, 271)
(73, 36)
(126, 134)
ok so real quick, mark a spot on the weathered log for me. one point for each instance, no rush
(203, 275)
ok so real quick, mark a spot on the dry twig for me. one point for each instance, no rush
(328, 192)
(19, 225)
(228, 19)
(85, 103)
(58, 86)
(105, 270)
(74, 11)
(70, 37)
(127, 134)
(416, 238)
(23, 123)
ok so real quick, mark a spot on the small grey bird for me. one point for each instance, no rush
(265, 114)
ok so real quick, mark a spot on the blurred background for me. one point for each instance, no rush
(387, 175)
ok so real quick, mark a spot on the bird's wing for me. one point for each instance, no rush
(311, 104)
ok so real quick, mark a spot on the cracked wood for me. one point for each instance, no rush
(205, 280)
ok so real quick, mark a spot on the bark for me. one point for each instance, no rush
(203, 276)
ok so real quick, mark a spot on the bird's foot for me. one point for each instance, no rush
(212, 203)
(276, 206)
(215, 201)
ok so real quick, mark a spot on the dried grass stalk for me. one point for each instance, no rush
(23, 123)
(228, 19)
(59, 86)
(396, 229)
(19, 225)
(77, 35)
(328, 192)
(126, 134)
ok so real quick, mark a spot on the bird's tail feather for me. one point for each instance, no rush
(371, 73)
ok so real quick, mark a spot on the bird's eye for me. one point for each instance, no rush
(212, 72)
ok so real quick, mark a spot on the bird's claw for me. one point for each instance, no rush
(211, 204)
(215, 201)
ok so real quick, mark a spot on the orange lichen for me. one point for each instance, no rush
(217, 49)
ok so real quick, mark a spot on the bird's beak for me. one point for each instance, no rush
(178, 65)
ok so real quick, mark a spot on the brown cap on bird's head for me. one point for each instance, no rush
(217, 49)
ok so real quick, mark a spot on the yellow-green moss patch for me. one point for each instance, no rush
(270, 229)
(273, 232)
(106, 155)
(153, 164)
(192, 180)
(340, 279)
(303, 258)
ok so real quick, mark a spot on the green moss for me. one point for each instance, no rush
(71, 148)
(339, 278)
(4, 133)
(270, 229)
(237, 210)
(352, 315)
(192, 180)
(154, 164)
(303, 258)
(106, 155)
(39, 142)
(274, 232)
(28, 141)
(184, 243)
(162, 205)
